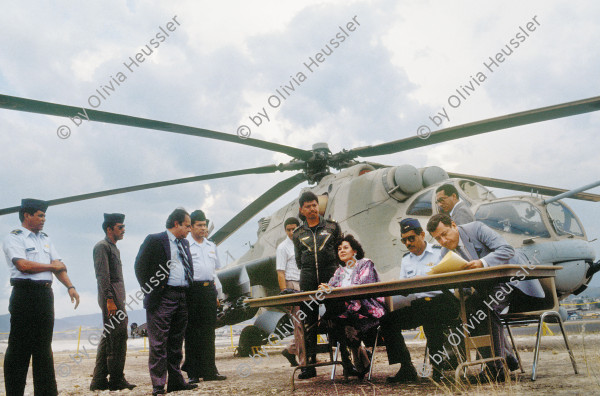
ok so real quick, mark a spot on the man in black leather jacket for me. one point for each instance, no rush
(315, 247)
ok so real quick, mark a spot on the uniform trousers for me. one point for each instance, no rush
(112, 349)
(435, 314)
(31, 324)
(166, 328)
(200, 331)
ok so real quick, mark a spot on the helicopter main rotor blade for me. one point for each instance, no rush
(39, 107)
(479, 127)
(140, 187)
(525, 187)
(256, 206)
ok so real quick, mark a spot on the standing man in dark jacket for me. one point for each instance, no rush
(315, 248)
(112, 350)
(164, 270)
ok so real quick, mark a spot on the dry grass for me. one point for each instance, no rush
(272, 375)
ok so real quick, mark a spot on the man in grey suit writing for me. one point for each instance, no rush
(483, 247)
(447, 198)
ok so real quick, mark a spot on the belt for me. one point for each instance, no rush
(30, 283)
(176, 288)
(204, 283)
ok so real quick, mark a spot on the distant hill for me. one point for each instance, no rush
(73, 322)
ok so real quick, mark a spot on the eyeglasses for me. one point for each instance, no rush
(410, 239)
(121, 227)
(441, 199)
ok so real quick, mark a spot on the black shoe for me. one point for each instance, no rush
(180, 387)
(120, 385)
(215, 377)
(405, 374)
(290, 357)
(158, 390)
(99, 385)
(512, 362)
(307, 373)
(351, 371)
(194, 380)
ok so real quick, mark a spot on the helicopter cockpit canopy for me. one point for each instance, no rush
(516, 217)
(563, 220)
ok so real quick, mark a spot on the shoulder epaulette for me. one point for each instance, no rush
(436, 246)
(43, 233)
(16, 232)
(331, 221)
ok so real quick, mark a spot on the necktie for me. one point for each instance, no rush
(186, 263)
(463, 253)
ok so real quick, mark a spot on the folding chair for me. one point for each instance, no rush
(321, 348)
(548, 313)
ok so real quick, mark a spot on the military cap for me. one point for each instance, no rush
(197, 215)
(114, 217)
(409, 224)
(36, 204)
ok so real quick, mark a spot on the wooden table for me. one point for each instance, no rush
(477, 278)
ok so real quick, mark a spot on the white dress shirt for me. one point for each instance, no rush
(286, 260)
(177, 273)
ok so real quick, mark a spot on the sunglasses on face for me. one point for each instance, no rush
(410, 239)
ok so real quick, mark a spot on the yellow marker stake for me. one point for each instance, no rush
(421, 335)
(78, 340)
(231, 331)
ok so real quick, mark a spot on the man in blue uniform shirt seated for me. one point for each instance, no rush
(432, 310)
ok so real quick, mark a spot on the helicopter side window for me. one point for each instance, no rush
(563, 220)
(421, 206)
(515, 217)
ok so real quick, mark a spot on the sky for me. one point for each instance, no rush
(221, 64)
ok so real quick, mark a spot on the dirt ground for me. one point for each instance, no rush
(271, 374)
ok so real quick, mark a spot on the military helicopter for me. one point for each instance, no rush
(369, 199)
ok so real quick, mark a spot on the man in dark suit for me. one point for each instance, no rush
(163, 268)
(447, 198)
(483, 247)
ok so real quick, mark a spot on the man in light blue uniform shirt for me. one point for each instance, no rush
(32, 259)
(432, 310)
(202, 305)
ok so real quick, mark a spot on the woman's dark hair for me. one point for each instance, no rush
(354, 244)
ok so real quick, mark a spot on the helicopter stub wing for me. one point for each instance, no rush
(525, 187)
